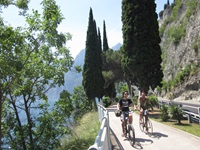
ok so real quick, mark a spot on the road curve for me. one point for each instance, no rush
(164, 137)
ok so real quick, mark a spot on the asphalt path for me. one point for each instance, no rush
(164, 137)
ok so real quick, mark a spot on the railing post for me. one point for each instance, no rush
(189, 118)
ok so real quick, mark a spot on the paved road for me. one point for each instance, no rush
(164, 137)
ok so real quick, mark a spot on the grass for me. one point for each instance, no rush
(192, 128)
(83, 135)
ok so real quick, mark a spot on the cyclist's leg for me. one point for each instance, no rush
(122, 123)
(130, 117)
(141, 115)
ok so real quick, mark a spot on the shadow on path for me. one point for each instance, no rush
(158, 135)
(140, 142)
(116, 145)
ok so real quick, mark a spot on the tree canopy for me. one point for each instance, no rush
(33, 61)
(92, 70)
(141, 49)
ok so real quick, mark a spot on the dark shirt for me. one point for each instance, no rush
(124, 104)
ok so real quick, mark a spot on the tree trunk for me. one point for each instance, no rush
(29, 125)
(95, 104)
(129, 88)
(20, 126)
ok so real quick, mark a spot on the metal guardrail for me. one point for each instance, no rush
(192, 117)
(102, 141)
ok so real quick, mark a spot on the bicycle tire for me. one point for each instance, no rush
(141, 125)
(149, 127)
(131, 135)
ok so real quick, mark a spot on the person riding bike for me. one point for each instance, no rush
(124, 105)
(143, 104)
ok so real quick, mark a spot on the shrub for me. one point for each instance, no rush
(176, 33)
(192, 5)
(176, 112)
(154, 100)
(106, 101)
(164, 116)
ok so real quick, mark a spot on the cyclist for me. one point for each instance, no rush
(143, 103)
(124, 105)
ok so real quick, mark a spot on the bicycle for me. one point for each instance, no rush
(128, 128)
(145, 123)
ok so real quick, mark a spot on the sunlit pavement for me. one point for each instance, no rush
(163, 137)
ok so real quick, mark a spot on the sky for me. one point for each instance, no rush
(76, 14)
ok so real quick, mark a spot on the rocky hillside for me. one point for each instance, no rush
(179, 27)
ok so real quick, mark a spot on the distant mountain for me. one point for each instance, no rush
(117, 46)
(79, 60)
(72, 78)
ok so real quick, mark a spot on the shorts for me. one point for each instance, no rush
(125, 113)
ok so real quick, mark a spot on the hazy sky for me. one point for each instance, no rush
(76, 14)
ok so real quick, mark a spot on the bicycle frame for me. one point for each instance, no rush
(129, 129)
(126, 121)
(146, 123)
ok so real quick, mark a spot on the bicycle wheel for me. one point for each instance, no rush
(149, 127)
(131, 135)
(141, 124)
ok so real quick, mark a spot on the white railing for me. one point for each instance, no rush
(102, 141)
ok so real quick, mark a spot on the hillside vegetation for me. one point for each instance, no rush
(179, 28)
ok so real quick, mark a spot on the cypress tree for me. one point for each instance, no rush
(99, 41)
(105, 41)
(100, 80)
(91, 68)
(141, 49)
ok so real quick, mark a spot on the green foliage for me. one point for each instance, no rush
(23, 4)
(175, 10)
(29, 69)
(141, 43)
(176, 33)
(105, 41)
(64, 104)
(110, 90)
(181, 76)
(163, 27)
(112, 70)
(93, 81)
(83, 135)
(191, 8)
(176, 112)
(164, 110)
(154, 100)
(106, 101)
(80, 103)
(123, 87)
(78, 68)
